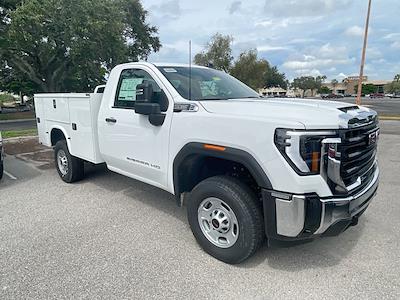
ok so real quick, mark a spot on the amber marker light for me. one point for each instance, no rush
(315, 162)
(214, 147)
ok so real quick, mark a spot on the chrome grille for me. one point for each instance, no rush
(358, 152)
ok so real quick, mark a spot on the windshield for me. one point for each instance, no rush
(207, 84)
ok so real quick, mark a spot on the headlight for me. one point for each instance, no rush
(301, 148)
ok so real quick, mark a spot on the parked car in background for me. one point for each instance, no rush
(377, 95)
(324, 96)
(332, 96)
(395, 96)
(1, 157)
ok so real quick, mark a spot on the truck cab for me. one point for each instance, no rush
(246, 167)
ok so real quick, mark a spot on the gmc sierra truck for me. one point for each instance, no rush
(247, 168)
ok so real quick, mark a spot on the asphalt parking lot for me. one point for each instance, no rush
(384, 106)
(113, 237)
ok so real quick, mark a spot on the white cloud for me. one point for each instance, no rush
(326, 56)
(354, 31)
(299, 36)
(301, 40)
(379, 61)
(329, 51)
(170, 9)
(267, 48)
(373, 53)
(392, 36)
(341, 76)
(264, 23)
(308, 72)
(276, 23)
(317, 63)
(304, 7)
(234, 7)
(395, 45)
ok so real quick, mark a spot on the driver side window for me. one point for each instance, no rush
(127, 86)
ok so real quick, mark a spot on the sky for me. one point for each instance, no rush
(301, 37)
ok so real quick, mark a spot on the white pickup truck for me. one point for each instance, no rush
(246, 167)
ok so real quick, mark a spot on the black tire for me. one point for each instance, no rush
(1, 169)
(75, 165)
(246, 208)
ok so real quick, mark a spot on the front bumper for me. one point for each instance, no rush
(295, 217)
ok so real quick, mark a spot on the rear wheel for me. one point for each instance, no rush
(70, 168)
(226, 219)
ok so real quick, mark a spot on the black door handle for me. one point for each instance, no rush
(111, 120)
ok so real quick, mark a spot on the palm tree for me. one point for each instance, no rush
(334, 83)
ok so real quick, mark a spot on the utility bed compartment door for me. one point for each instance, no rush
(81, 131)
(56, 108)
(40, 121)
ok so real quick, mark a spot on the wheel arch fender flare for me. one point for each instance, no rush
(229, 153)
(64, 132)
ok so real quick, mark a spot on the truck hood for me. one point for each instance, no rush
(313, 114)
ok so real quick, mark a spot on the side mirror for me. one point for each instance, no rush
(145, 106)
(144, 92)
(147, 109)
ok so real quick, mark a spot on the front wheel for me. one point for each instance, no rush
(70, 168)
(226, 219)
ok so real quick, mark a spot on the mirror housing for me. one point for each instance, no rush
(144, 92)
(147, 109)
(144, 104)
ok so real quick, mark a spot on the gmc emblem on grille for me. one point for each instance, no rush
(373, 137)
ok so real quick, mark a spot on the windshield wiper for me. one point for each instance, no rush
(248, 97)
(209, 99)
(230, 98)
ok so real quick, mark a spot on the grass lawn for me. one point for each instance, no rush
(17, 115)
(19, 133)
(6, 98)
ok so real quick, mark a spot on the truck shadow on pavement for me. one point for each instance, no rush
(291, 257)
(138, 191)
(298, 256)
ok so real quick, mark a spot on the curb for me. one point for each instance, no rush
(20, 138)
(16, 121)
(389, 118)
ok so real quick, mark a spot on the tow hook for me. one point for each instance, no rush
(354, 221)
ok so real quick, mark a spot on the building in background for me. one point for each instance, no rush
(347, 86)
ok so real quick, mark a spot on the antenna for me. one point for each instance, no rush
(190, 70)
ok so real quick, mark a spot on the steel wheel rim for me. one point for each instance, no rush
(62, 162)
(218, 222)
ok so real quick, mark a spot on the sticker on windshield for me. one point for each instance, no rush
(170, 70)
(216, 78)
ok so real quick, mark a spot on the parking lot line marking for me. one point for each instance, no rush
(10, 175)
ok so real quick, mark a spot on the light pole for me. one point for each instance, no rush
(358, 100)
